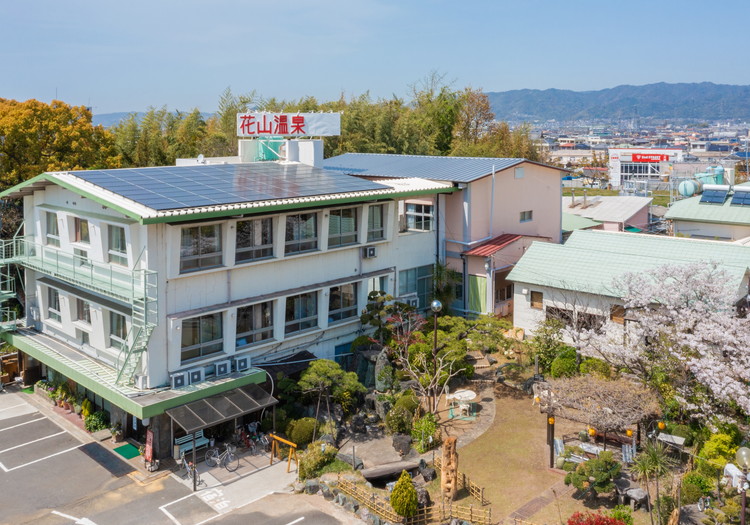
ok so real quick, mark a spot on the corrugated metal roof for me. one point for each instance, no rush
(453, 169)
(493, 245)
(606, 209)
(692, 210)
(592, 259)
(571, 222)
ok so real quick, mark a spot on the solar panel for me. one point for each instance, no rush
(741, 198)
(175, 187)
(714, 196)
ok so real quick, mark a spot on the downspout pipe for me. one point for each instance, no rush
(492, 202)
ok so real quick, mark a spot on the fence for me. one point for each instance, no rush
(475, 491)
(425, 515)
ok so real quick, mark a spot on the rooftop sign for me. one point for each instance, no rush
(288, 124)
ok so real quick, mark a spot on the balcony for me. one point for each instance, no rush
(107, 279)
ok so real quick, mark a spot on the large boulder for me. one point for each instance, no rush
(428, 473)
(423, 497)
(312, 486)
(402, 443)
(383, 372)
(382, 407)
(357, 424)
(326, 491)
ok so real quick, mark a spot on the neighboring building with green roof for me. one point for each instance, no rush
(580, 273)
(727, 221)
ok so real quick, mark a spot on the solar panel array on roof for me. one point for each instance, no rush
(714, 196)
(452, 169)
(741, 197)
(176, 187)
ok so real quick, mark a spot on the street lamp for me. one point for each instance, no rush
(743, 461)
(436, 306)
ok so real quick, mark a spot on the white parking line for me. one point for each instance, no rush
(22, 424)
(14, 406)
(6, 469)
(30, 442)
(78, 521)
(296, 521)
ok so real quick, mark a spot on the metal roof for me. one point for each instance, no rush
(493, 245)
(606, 209)
(453, 169)
(693, 210)
(591, 260)
(571, 222)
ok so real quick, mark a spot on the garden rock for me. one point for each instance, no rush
(347, 458)
(312, 486)
(357, 424)
(382, 407)
(491, 360)
(351, 506)
(298, 487)
(423, 497)
(325, 490)
(328, 438)
(337, 413)
(402, 443)
(428, 473)
(382, 380)
(372, 419)
(638, 497)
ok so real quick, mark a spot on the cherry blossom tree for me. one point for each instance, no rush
(683, 335)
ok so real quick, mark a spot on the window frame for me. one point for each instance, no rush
(118, 339)
(259, 251)
(52, 239)
(114, 255)
(617, 314)
(539, 304)
(204, 348)
(299, 324)
(78, 230)
(259, 334)
(375, 233)
(54, 311)
(419, 217)
(343, 238)
(342, 313)
(527, 216)
(418, 280)
(213, 259)
(297, 244)
(83, 311)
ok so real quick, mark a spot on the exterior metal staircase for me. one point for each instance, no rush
(7, 291)
(135, 287)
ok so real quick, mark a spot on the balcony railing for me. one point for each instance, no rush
(108, 279)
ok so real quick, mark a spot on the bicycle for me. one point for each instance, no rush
(227, 459)
(190, 470)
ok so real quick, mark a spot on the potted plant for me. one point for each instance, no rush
(116, 431)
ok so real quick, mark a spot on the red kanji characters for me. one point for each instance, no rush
(247, 124)
(298, 125)
(282, 124)
(265, 126)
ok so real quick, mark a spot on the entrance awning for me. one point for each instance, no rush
(213, 410)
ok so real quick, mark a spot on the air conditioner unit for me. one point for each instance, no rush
(411, 300)
(368, 252)
(242, 363)
(196, 375)
(180, 379)
(141, 381)
(223, 367)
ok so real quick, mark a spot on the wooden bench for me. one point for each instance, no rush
(186, 442)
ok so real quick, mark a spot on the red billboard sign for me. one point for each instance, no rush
(649, 157)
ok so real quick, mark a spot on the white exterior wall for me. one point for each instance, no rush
(706, 230)
(619, 155)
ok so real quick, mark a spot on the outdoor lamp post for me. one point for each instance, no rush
(551, 440)
(435, 306)
(743, 461)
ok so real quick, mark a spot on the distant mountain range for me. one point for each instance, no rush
(700, 101)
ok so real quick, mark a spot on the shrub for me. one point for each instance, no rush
(695, 479)
(315, 458)
(596, 367)
(96, 421)
(404, 496)
(716, 452)
(622, 513)
(588, 518)
(300, 431)
(408, 400)
(664, 505)
(690, 493)
(425, 428)
(596, 474)
(563, 366)
(86, 408)
(398, 420)
(282, 421)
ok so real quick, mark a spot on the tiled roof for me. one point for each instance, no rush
(453, 169)
(493, 245)
(592, 259)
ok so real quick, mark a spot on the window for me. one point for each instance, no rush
(526, 216)
(301, 312)
(503, 291)
(375, 223)
(342, 302)
(617, 314)
(377, 284)
(301, 233)
(254, 323)
(118, 332)
(85, 339)
(254, 240)
(81, 230)
(83, 311)
(53, 234)
(200, 248)
(342, 227)
(81, 257)
(537, 300)
(416, 280)
(117, 246)
(202, 336)
(53, 305)
(518, 172)
(419, 217)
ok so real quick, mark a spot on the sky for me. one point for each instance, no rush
(128, 56)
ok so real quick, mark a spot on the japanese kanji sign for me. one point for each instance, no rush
(288, 124)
